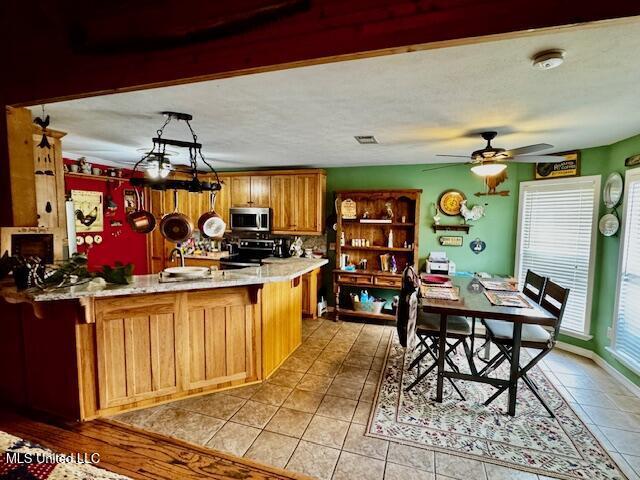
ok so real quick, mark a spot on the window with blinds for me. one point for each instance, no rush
(556, 239)
(627, 315)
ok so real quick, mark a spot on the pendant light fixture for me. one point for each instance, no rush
(157, 165)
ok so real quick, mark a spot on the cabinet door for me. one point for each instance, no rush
(261, 191)
(136, 340)
(308, 204)
(220, 337)
(282, 195)
(241, 191)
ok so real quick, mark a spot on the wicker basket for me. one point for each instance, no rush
(370, 307)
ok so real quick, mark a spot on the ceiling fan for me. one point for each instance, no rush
(489, 160)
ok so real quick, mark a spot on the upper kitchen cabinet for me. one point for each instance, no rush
(250, 191)
(297, 202)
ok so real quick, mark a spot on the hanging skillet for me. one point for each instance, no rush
(210, 224)
(141, 220)
(176, 227)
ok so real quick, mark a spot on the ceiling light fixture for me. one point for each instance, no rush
(488, 168)
(366, 139)
(158, 166)
(548, 59)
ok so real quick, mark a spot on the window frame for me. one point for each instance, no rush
(596, 179)
(633, 365)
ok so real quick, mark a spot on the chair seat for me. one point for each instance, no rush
(455, 325)
(530, 333)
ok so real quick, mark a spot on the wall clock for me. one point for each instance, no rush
(449, 202)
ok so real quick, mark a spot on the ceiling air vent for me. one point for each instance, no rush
(366, 139)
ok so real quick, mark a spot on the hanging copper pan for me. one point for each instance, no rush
(210, 224)
(141, 220)
(176, 227)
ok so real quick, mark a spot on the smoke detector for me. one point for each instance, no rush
(548, 59)
(366, 139)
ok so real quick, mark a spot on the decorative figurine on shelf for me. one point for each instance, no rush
(436, 217)
(389, 211)
(365, 214)
(471, 214)
(394, 264)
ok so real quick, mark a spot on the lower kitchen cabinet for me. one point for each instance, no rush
(310, 294)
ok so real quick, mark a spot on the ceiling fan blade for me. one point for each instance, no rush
(528, 149)
(537, 158)
(443, 166)
(455, 156)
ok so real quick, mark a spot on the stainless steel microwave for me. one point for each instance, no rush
(250, 219)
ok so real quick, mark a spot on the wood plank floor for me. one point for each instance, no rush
(138, 454)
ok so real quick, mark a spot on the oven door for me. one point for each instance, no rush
(250, 219)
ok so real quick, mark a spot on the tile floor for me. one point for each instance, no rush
(310, 416)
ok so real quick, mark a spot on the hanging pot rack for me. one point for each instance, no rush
(158, 154)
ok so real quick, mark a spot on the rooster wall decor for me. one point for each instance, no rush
(492, 183)
(471, 214)
(43, 122)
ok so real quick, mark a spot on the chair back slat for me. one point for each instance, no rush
(554, 300)
(533, 286)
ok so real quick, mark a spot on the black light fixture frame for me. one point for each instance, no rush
(194, 184)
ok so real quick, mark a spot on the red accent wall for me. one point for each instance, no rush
(119, 243)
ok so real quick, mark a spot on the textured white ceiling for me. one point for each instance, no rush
(416, 104)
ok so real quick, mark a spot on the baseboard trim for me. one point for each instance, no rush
(601, 362)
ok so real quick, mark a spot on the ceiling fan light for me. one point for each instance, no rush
(488, 169)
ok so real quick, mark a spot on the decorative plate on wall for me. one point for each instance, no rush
(609, 225)
(449, 202)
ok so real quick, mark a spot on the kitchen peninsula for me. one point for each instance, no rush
(90, 354)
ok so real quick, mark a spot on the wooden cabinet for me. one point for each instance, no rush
(310, 294)
(136, 341)
(250, 191)
(296, 201)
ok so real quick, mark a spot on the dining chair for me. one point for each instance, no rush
(553, 299)
(421, 331)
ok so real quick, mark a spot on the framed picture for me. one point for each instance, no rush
(570, 167)
(87, 207)
(129, 201)
(450, 240)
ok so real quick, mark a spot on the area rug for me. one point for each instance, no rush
(23, 460)
(532, 441)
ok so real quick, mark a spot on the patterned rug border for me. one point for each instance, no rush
(471, 456)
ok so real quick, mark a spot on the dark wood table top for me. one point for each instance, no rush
(474, 303)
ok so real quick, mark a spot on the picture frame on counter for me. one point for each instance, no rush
(570, 167)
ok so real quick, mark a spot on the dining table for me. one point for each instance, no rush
(473, 303)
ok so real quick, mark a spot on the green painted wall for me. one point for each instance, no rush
(498, 228)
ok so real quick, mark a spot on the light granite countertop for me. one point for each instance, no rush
(274, 270)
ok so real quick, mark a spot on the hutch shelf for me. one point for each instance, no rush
(403, 203)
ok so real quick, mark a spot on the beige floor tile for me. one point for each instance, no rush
(361, 416)
(411, 457)
(357, 467)
(368, 349)
(377, 364)
(593, 398)
(626, 402)
(357, 360)
(337, 407)
(314, 383)
(326, 431)
(324, 368)
(332, 356)
(272, 394)
(400, 472)
(346, 389)
(289, 422)
(314, 460)
(624, 466)
(272, 449)
(296, 364)
(339, 346)
(576, 381)
(354, 374)
(373, 377)
(498, 472)
(357, 442)
(254, 414)
(139, 418)
(217, 405)
(317, 342)
(303, 401)
(459, 467)
(196, 428)
(285, 378)
(368, 392)
(634, 462)
(244, 392)
(623, 441)
(234, 438)
(602, 438)
(607, 417)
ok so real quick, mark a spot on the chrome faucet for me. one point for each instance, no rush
(180, 254)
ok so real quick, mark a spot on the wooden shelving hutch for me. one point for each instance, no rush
(405, 203)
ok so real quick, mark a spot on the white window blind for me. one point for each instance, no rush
(555, 239)
(627, 316)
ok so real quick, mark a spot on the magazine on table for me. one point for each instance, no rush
(440, 293)
(507, 299)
